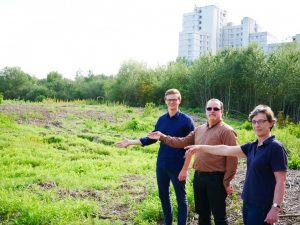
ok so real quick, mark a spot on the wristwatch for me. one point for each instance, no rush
(275, 205)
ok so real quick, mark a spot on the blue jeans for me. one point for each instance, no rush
(210, 196)
(254, 214)
(164, 176)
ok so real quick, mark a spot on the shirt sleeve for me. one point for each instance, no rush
(147, 141)
(179, 142)
(229, 138)
(279, 159)
(246, 148)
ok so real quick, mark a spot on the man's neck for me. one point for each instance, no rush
(212, 123)
(172, 112)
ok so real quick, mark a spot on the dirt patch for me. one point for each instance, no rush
(137, 192)
(53, 115)
(96, 195)
(48, 185)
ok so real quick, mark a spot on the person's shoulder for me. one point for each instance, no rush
(201, 127)
(276, 144)
(249, 146)
(162, 118)
(226, 127)
(275, 141)
(250, 143)
(185, 116)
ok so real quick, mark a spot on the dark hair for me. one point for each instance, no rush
(263, 109)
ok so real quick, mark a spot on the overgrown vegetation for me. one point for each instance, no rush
(59, 165)
(241, 78)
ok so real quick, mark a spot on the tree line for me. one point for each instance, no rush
(242, 78)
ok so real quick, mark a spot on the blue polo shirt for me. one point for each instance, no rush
(262, 162)
(179, 125)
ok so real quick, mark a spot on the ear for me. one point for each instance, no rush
(272, 124)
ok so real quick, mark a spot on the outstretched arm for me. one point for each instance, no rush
(175, 142)
(126, 142)
(223, 150)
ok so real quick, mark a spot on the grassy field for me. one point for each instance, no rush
(59, 164)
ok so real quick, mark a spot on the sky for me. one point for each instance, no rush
(68, 36)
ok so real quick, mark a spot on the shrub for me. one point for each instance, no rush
(247, 125)
(294, 129)
(149, 109)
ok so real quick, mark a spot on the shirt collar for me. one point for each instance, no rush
(218, 123)
(175, 116)
(268, 140)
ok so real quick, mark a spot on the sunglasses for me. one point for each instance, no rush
(212, 108)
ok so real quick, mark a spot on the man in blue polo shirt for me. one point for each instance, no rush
(169, 160)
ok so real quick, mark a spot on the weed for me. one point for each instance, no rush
(294, 129)
(149, 109)
(53, 139)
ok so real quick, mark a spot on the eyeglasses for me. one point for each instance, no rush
(213, 108)
(259, 122)
(172, 99)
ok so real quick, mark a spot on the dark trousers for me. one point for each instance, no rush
(164, 176)
(210, 196)
(254, 214)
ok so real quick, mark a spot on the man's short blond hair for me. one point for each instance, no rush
(173, 91)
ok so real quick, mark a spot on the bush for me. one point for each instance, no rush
(149, 109)
(294, 129)
(40, 98)
(247, 125)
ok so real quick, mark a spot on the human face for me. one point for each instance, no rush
(261, 125)
(213, 112)
(172, 102)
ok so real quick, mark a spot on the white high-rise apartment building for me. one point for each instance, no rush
(245, 33)
(205, 30)
(201, 32)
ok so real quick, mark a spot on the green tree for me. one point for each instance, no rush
(13, 81)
